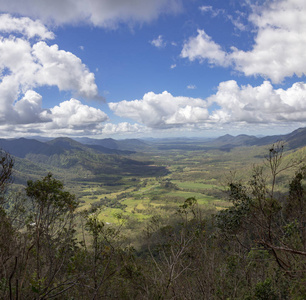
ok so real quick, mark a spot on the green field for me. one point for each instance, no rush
(199, 174)
(155, 182)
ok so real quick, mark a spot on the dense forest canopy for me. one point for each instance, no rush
(254, 249)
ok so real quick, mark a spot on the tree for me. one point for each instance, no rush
(6, 170)
(104, 259)
(262, 218)
(47, 266)
(7, 232)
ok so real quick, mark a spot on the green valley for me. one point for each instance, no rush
(154, 219)
(113, 177)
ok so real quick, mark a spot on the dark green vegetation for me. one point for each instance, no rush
(128, 176)
(74, 161)
(203, 223)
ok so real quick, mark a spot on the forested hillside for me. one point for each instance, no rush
(254, 249)
(74, 161)
(92, 159)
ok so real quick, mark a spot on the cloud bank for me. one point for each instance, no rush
(237, 105)
(106, 13)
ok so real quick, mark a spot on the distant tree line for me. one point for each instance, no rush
(255, 249)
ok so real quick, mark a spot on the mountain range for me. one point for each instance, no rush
(23, 147)
(91, 158)
(293, 140)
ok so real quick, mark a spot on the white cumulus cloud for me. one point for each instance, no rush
(260, 104)
(26, 64)
(29, 109)
(202, 47)
(162, 110)
(279, 45)
(25, 26)
(64, 70)
(73, 114)
(69, 118)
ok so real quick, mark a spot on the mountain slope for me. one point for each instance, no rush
(293, 140)
(297, 138)
(70, 144)
(127, 144)
(69, 158)
(21, 147)
(234, 141)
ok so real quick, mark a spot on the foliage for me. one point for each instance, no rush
(254, 249)
(6, 169)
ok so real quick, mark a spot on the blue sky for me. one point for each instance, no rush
(143, 68)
